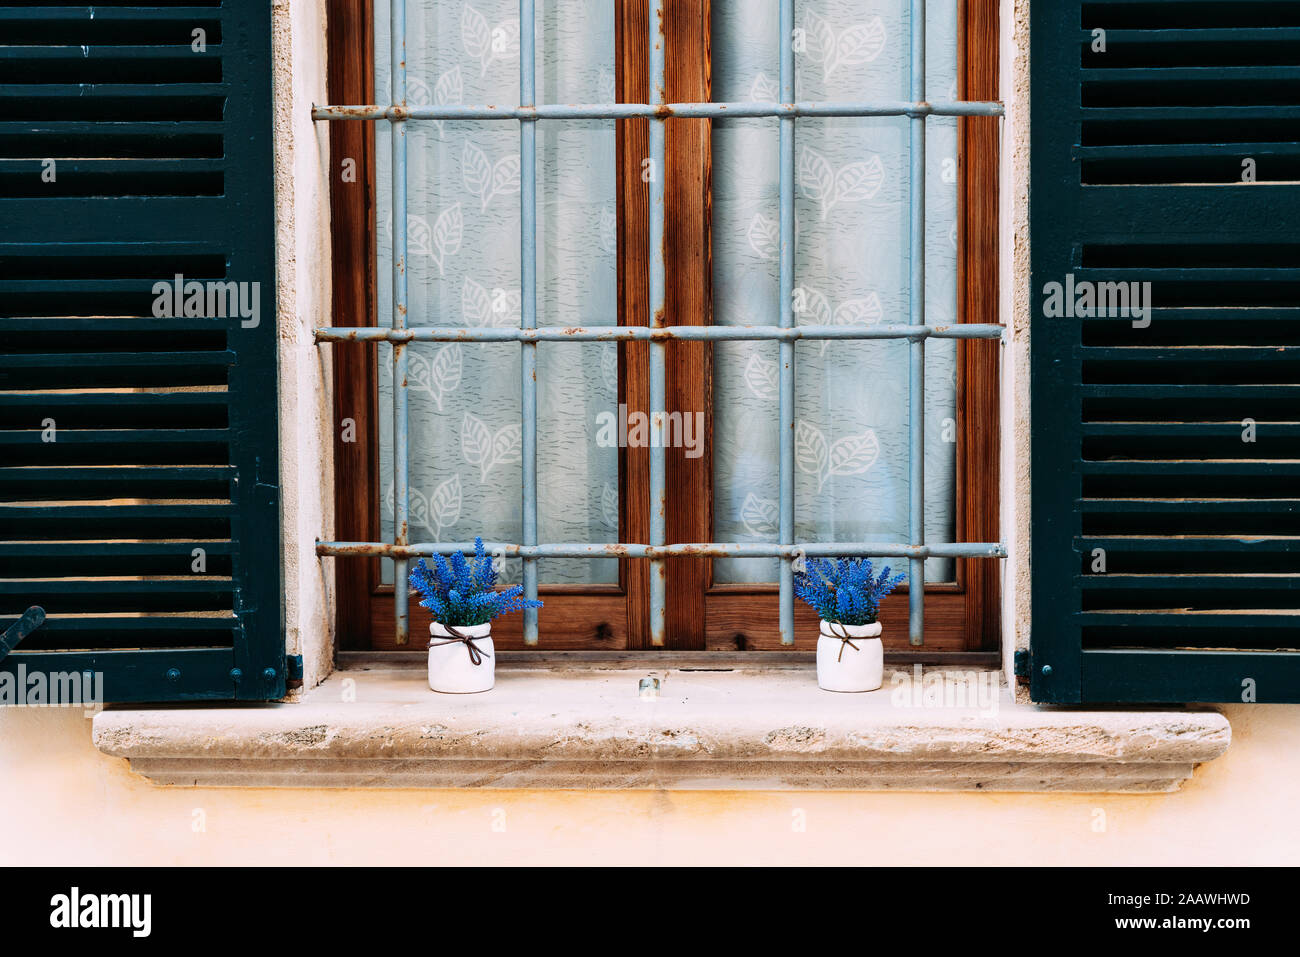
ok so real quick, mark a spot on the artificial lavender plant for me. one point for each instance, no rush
(461, 592)
(843, 589)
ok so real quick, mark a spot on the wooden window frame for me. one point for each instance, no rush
(962, 617)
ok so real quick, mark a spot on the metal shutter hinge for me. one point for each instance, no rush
(1022, 665)
(31, 619)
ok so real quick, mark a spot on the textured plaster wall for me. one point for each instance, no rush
(77, 806)
(1013, 219)
(303, 302)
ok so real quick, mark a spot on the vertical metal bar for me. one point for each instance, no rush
(401, 499)
(786, 383)
(916, 348)
(528, 290)
(658, 302)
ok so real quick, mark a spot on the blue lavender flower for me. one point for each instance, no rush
(462, 592)
(844, 589)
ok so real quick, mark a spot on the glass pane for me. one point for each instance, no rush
(851, 267)
(464, 267)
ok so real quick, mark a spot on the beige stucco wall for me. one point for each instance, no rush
(303, 303)
(1013, 304)
(77, 806)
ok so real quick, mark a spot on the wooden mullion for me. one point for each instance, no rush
(688, 267)
(352, 247)
(977, 382)
(632, 139)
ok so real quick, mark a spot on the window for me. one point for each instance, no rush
(850, 472)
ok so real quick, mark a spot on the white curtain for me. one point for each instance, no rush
(464, 256)
(851, 266)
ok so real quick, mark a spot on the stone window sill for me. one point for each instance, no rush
(558, 724)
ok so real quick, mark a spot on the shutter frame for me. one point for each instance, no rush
(234, 225)
(1068, 217)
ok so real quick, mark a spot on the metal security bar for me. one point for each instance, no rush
(658, 111)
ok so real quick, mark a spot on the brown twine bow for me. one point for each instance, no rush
(844, 637)
(475, 655)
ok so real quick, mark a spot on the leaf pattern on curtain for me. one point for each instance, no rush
(464, 256)
(851, 267)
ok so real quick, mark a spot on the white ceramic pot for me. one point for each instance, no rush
(850, 657)
(456, 669)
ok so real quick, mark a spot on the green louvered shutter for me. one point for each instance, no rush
(1141, 157)
(157, 118)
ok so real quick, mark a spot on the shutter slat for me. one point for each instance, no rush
(1206, 43)
(1186, 76)
(27, 140)
(140, 411)
(108, 586)
(1196, 582)
(1217, 619)
(1192, 510)
(1192, 353)
(119, 360)
(72, 482)
(111, 549)
(1189, 116)
(1173, 150)
(188, 512)
(123, 52)
(143, 622)
(1135, 555)
(1188, 467)
(128, 437)
(139, 176)
(175, 631)
(146, 559)
(60, 21)
(112, 65)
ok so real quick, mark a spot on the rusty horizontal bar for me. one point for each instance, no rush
(965, 330)
(622, 111)
(680, 550)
